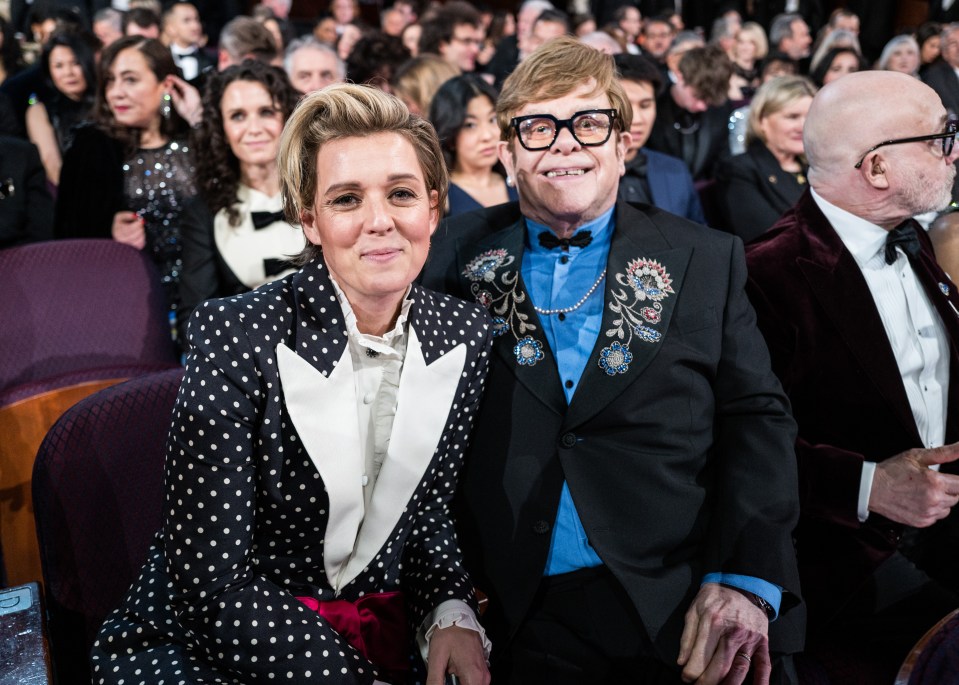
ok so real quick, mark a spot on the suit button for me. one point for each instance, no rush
(568, 440)
(541, 527)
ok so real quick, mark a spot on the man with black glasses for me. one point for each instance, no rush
(862, 326)
(630, 488)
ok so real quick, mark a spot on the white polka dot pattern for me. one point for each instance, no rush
(246, 510)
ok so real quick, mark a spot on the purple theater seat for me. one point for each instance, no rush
(98, 493)
(75, 305)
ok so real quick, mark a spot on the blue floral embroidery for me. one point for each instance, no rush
(649, 284)
(528, 351)
(647, 334)
(615, 358)
(944, 288)
(496, 287)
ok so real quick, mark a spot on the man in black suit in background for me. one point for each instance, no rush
(26, 208)
(630, 488)
(942, 76)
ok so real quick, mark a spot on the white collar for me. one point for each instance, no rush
(862, 238)
(388, 343)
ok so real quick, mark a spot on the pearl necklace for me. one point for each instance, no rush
(573, 308)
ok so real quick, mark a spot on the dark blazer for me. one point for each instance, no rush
(679, 464)
(830, 351)
(670, 185)
(942, 79)
(26, 207)
(91, 186)
(705, 143)
(753, 191)
(265, 438)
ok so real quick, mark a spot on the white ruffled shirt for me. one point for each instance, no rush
(378, 364)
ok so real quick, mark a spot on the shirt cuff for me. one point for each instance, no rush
(773, 594)
(865, 489)
(452, 612)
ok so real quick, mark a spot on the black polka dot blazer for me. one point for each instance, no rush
(264, 499)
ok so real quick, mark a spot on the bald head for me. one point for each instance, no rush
(857, 112)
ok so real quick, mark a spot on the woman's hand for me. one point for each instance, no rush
(186, 100)
(128, 229)
(458, 651)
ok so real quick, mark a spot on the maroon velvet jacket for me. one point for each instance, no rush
(830, 351)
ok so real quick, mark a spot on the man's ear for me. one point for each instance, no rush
(505, 154)
(874, 170)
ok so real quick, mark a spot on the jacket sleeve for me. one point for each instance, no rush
(91, 187)
(745, 210)
(756, 504)
(433, 563)
(199, 277)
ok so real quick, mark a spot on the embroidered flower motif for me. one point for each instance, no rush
(615, 359)
(528, 351)
(647, 334)
(651, 314)
(648, 279)
(484, 298)
(484, 266)
(500, 326)
(944, 288)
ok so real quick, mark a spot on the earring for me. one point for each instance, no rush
(509, 181)
(166, 107)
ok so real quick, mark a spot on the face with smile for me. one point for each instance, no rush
(373, 216)
(133, 91)
(312, 69)
(252, 123)
(476, 142)
(567, 184)
(463, 47)
(66, 73)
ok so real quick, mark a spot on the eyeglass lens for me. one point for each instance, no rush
(588, 128)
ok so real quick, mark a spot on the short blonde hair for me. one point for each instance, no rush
(757, 36)
(557, 68)
(773, 96)
(418, 79)
(340, 111)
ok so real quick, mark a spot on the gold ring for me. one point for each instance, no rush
(745, 656)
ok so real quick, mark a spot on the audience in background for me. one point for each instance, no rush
(836, 63)
(141, 22)
(26, 208)
(755, 188)
(656, 37)
(183, 32)
(455, 33)
(464, 114)
(374, 60)
(311, 65)
(245, 38)
(941, 75)
(900, 54)
(928, 37)
(417, 80)
(789, 34)
(749, 50)
(108, 25)
(548, 25)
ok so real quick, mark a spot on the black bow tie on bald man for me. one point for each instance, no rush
(904, 235)
(549, 240)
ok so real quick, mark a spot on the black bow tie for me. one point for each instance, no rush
(549, 240)
(904, 235)
(264, 219)
(195, 54)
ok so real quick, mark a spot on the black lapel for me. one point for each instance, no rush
(640, 326)
(491, 273)
(319, 333)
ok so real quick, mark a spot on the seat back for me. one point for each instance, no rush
(74, 305)
(98, 494)
(935, 658)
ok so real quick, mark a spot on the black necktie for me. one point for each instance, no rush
(264, 219)
(549, 240)
(903, 235)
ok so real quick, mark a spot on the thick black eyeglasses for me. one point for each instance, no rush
(590, 127)
(948, 138)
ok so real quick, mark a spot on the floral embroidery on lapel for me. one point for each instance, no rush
(944, 288)
(500, 294)
(650, 284)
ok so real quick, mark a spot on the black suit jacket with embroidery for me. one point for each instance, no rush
(679, 465)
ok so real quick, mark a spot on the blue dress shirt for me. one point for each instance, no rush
(553, 283)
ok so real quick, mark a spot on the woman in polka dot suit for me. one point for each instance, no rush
(317, 439)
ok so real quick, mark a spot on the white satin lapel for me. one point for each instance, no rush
(426, 395)
(323, 409)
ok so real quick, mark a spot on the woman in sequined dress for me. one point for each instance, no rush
(128, 175)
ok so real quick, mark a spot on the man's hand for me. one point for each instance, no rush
(458, 651)
(725, 634)
(128, 229)
(906, 490)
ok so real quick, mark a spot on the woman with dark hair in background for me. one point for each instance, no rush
(836, 63)
(67, 64)
(128, 175)
(234, 235)
(464, 114)
(928, 36)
